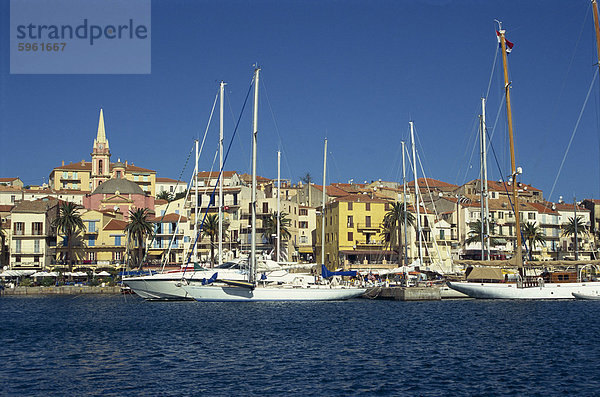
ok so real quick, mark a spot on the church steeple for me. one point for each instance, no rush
(101, 135)
(100, 155)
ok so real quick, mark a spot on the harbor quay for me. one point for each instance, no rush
(61, 290)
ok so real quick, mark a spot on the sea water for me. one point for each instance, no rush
(124, 346)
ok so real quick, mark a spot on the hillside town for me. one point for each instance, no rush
(363, 226)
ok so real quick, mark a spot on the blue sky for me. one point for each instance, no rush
(354, 71)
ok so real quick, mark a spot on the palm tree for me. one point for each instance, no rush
(533, 234)
(180, 195)
(476, 232)
(306, 178)
(210, 228)
(569, 228)
(270, 228)
(164, 195)
(138, 228)
(394, 220)
(69, 223)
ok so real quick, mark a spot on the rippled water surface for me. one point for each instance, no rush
(111, 345)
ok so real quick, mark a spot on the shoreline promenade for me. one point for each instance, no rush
(61, 290)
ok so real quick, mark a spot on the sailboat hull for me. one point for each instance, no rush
(157, 289)
(168, 286)
(511, 291)
(217, 293)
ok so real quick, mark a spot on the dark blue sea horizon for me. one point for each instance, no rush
(115, 346)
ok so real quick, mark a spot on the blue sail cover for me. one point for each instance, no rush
(210, 280)
(325, 273)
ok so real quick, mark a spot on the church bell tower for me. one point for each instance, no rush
(100, 156)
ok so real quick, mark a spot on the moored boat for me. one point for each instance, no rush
(260, 290)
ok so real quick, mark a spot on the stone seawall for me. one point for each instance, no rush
(62, 290)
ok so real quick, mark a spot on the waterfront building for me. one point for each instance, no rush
(501, 191)
(261, 181)
(586, 248)
(120, 195)
(235, 194)
(172, 234)
(88, 175)
(354, 236)
(593, 205)
(104, 240)
(171, 186)
(548, 220)
(307, 229)
(5, 232)
(32, 237)
(311, 195)
(73, 196)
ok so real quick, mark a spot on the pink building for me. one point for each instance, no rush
(120, 195)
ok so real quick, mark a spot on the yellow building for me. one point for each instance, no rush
(102, 243)
(353, 233)
(87, 175)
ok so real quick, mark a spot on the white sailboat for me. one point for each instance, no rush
(167, 285)
(529, 287)
(253, 289)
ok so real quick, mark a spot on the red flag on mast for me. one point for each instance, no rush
(509, 45)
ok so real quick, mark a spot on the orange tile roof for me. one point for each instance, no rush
(6, 208)
(332, 191)
(434, 183)
(79, 166)
(3, 180)
(115, 224)
(167, 180)
(87, 166)
(131, 167)
(504, 186)
(248, 178)
(168, 218)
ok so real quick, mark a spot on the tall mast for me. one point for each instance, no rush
(278, 205)
(597, 29)
(513, 167)
(485, 222)
(417, 199)
(196, 204)
(597, 25)
(323, 205)
(404, 204)
(575, 223)
(481, 189)
(221, 94)
(485, 180)
(252, 273)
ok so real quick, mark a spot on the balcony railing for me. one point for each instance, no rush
(367, 226)
(369, 243)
